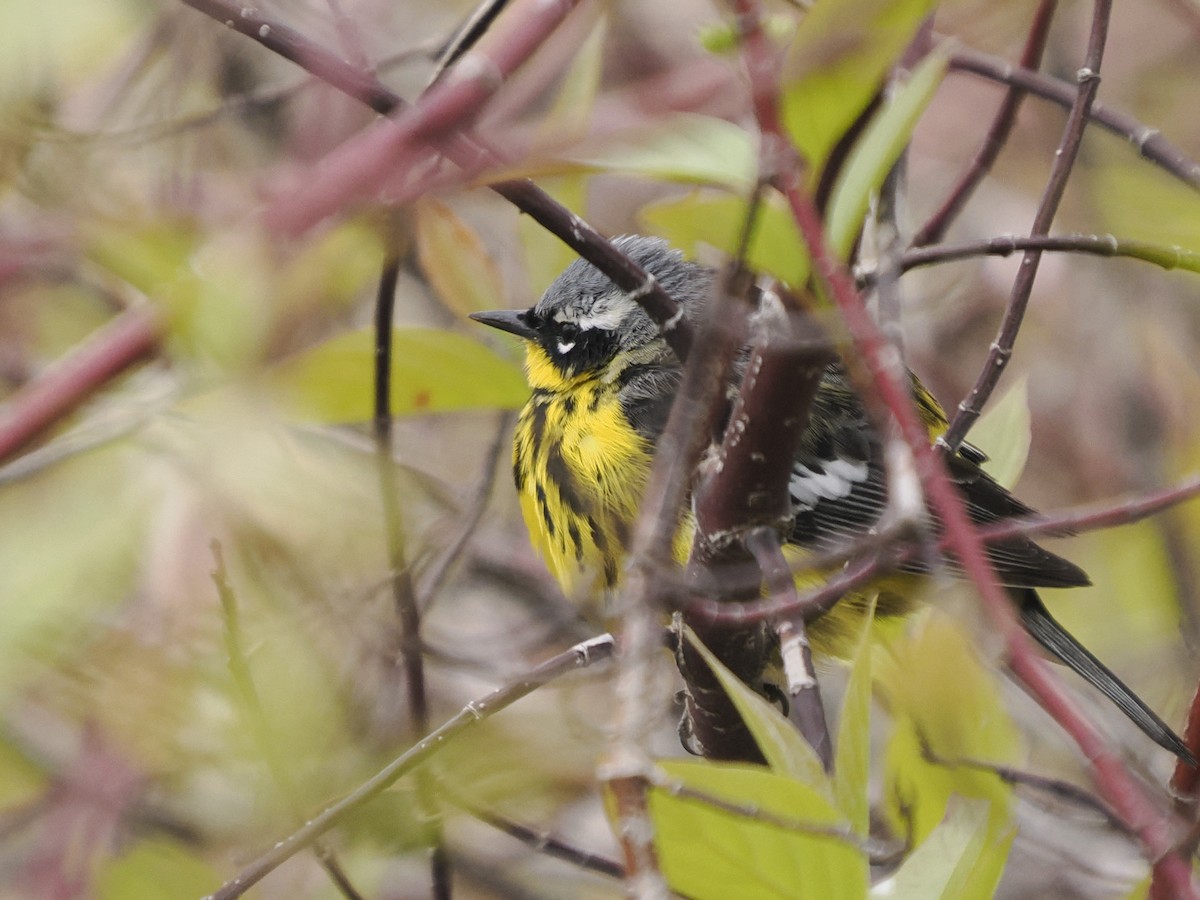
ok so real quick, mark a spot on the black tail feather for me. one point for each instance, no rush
(1058, 641)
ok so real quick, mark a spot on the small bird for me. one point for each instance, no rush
(603, 380)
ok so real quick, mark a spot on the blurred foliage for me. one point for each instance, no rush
(138, 143)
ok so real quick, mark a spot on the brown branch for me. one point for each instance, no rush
(464, 150)
(1001, 350)
(583, 655)
(30, 412)
(997, 135)
(1150, 143)
(742, 487)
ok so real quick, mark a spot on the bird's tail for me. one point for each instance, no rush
(1058, 641)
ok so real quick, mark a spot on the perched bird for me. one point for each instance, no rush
(603, 380)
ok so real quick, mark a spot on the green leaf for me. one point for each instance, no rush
(1004, 432)
(716, 219)
(679, 147)
(878, 150)
(786, 752)
(710, 852)
(454, 258)
(852, 767)
(957, 862)
(432, 371)
(836, 64)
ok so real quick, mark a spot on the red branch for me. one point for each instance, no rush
(886, 390)
(365, 162)
(126, 340)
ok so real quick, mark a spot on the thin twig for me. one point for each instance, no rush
(1107, 245)
(1062, 789)
(580, 656)
(1150, 143)
(997, 135)
(403, 596)
(875, 850)
(433, 580)
(1001, 350)
(541, 841)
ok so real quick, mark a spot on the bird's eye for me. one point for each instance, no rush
(568, 334)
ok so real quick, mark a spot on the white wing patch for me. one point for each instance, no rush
(808, 488)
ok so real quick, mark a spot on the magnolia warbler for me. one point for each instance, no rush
(603, 381)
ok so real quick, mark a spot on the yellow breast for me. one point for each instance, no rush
(580, 470)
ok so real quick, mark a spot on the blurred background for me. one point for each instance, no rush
(140, 143)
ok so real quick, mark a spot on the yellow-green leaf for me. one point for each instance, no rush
(432, 371)
(878, 150)
(712, 853)
(837, 62)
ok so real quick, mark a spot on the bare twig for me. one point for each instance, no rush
(877, 851)
(1150, 143)
(582, 655)
(1064, 160)
(433, 580)
(1165, 257)
(403, 596)
(541, 841)
(1062, 789)
(997, 135)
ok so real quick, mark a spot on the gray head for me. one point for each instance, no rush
(584, 321)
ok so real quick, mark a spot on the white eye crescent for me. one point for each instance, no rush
(565, 347)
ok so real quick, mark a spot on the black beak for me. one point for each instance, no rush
(510, 320)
